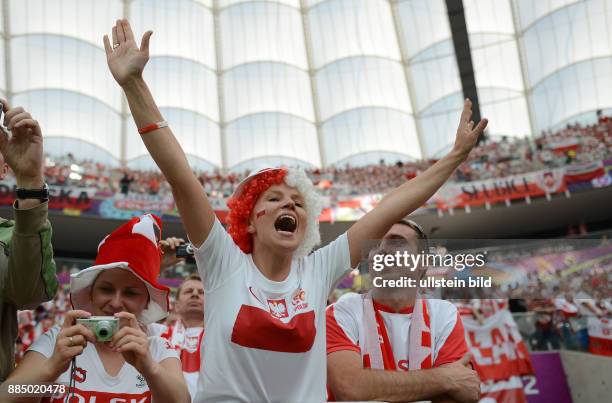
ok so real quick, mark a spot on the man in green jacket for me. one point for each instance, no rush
(27, 269)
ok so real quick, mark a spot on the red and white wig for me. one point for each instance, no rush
(247, 193)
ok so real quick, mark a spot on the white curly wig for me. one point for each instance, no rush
(297, 178)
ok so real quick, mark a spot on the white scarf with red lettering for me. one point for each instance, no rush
(372, 343)
(178, 334)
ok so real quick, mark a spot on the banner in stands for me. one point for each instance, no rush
(71, 200)
(508, 372)
(88, 201)
(500, 356)
(584, 172)
(600, 335)
(492, 191)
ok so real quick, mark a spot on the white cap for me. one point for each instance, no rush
(254, 173)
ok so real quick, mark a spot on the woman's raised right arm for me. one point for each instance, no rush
(126, 62)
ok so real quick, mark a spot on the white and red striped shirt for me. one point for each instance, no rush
(187, 342)
(447, 335)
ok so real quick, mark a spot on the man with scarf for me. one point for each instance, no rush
(186, 333)
(391, 345)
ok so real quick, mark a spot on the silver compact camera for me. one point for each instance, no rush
(103, 327)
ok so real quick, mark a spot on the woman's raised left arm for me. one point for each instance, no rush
(406, 198)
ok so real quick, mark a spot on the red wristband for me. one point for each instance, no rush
(152, 126)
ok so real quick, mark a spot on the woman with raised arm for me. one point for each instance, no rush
(265, 294)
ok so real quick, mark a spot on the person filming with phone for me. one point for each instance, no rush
(102, 351)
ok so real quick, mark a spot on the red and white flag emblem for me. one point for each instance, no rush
(278, 308)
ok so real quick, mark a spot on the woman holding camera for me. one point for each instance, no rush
(111, 357)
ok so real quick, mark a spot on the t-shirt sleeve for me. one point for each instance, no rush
(218, 257)
(452, 340)
(161, 349)
(332, 261)
(45, 343)
(156, 329)
(342, 331)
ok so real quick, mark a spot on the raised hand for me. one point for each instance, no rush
(23, 147)
(125, 59)
(168, 247)
(467, 134)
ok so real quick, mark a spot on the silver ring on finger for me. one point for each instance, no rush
(115, 45)
(71, 340)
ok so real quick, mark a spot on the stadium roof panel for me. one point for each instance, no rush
(305, 82)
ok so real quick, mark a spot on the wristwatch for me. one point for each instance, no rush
(40, 194)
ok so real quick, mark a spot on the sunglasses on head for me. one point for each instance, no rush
(416, 227)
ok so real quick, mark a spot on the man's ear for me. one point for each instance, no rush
(423, 271)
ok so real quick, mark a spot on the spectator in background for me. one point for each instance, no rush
(587, 306)
(601, 118)
(125, 183)
(27, 269)
(184, 332)
(546, 332)
(154, 186)
(187, 332)
(495, 159)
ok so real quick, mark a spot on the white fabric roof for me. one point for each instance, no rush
(304, 82)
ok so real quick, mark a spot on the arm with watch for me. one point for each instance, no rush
(27, 271)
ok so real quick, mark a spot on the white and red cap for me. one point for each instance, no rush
(297, 178)
(255, 172)
(135, 247)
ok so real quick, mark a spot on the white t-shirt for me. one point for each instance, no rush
(264, 340)
(582, 299)
(187, 342)
(345, 316)
(92, 382)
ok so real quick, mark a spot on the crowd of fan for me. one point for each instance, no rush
(492, 159)
(551, 310)
(549, 314)
(555, 305)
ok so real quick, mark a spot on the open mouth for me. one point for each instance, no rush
(285, 224)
